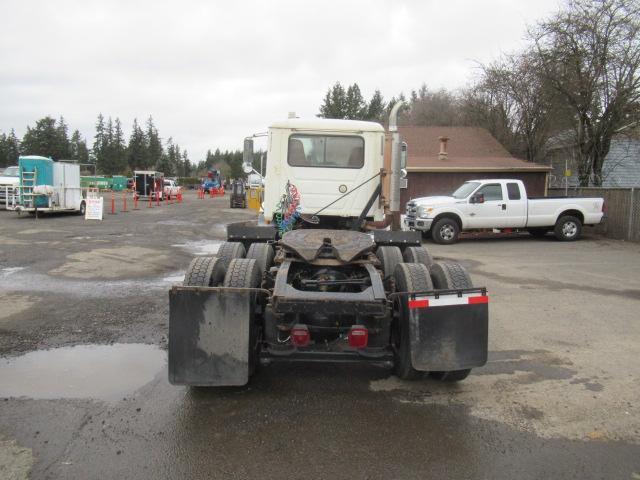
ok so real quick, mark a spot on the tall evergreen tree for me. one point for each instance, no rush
(154, 144)
(78, 148)
(376, 108)
(63, 147)
(99, 140)
(9, 149)
(334, 105)
(355, 107)
(44, 139)
(137, 149)
(118, 149)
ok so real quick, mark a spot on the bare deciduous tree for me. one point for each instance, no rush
(590, 54)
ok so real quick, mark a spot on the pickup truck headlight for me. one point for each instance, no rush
(424, 212)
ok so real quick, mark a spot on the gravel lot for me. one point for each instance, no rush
(84, 394)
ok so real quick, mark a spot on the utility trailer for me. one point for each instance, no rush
(149, 183)
(48, 186)
(326, 275)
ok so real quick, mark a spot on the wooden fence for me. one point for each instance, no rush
(622, 210)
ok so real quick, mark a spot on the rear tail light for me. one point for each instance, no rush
(358, 336)
(604, 207)
(300, 336)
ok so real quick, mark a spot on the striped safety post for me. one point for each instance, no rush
(135, 201)
(157, 199)
(124, 201)
(113, 203)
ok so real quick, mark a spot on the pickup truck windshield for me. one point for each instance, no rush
(465, 190)
(10, 172)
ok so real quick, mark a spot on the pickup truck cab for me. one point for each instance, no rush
(500, 204)
(9, 183)
(171, 188)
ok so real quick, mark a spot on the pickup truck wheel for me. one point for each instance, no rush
(450, 276)
(410, 277)
(568, 228)
(417, 255)
(244, 273)
(445, 231)
(263, 254)
(230, 250)
(389, 258)
(205, 272)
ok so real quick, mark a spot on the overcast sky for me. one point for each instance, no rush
(212, 72)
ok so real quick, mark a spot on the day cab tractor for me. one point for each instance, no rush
(326, 274)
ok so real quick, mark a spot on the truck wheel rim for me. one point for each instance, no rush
(569, 229)
(446, 232)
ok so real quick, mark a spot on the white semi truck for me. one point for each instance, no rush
(500, 204)
(327, 274)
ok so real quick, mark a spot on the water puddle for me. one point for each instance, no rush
(102, 372)
(200, 247)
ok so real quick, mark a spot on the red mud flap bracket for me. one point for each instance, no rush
(449, 329)
(209, 335)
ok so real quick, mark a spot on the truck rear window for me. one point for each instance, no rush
(326, 151)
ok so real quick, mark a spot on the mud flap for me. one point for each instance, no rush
(209, 336)
(452, 337)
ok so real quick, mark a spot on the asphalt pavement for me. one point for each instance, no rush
(84, 391)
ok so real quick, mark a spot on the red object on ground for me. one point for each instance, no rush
(157, 199)
(135, 201)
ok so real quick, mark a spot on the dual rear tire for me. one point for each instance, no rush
(417, 277)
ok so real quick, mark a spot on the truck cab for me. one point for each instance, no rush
(325, 159)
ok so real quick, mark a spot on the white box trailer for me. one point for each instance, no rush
(65, 193)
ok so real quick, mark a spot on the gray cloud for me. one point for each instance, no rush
(212, 72)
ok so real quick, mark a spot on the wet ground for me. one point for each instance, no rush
(84, 394)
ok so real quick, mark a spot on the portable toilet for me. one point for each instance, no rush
(34, 170)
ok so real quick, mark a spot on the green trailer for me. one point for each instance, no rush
(95, 181)
(119, 183)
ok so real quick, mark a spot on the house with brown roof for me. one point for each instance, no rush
(440, 159)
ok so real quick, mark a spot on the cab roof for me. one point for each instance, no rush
(327, 124)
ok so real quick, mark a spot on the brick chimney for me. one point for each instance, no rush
(443, 155)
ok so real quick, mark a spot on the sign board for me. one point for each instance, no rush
(94, 209)
(567, 172)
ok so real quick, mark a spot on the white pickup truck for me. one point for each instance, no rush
(501, 205)
(9, 183)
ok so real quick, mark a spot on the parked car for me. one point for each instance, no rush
(501, 204)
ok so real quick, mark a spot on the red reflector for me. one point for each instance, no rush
(480, 299)
(418, 303)
(358, 336)
(300, 336)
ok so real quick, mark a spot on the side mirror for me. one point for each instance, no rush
(477, 198)
(403, 155)
(247, 156)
